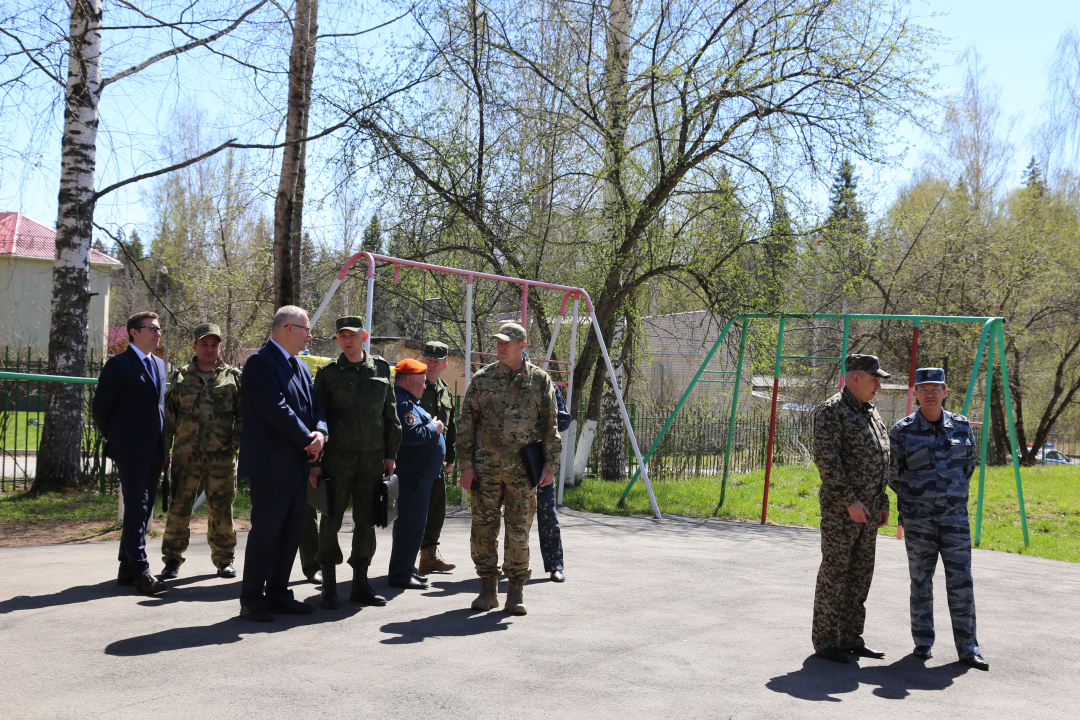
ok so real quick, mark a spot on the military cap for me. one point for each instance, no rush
(349, 322)
(510, 331)
(435, 350)
(866, 363)
(929, 375)
(409, 366)
(207, 329)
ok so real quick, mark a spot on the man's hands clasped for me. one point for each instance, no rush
(860, 514)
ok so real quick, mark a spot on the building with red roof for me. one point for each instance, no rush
(27, 251)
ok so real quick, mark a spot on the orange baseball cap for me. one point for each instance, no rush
(409, 366)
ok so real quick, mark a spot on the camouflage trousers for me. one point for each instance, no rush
(490, 494)
(547, 524)
(436, 514)
(925, 538)
(217, 473)
(843, 582)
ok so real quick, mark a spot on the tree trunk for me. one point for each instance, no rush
(1000, 447)
(612, 434)
(289, 206)
(65, 404)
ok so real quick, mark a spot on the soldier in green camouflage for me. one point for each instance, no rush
(438, 401)
(357, 393)
(202, 429)
(851, 451)
(508, 405)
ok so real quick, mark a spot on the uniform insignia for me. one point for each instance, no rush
(411, 419)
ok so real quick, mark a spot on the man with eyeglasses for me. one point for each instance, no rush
(128, 411)
(284, 429)
(933, 458)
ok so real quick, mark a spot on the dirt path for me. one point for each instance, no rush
(56, 532)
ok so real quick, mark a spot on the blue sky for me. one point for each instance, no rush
(1015, 41)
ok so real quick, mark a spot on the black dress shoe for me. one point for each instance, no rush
(835, 654)
(922, 652)
(418, 576)
(413, 583)
(125, 579)
(226, 571)
(289, 607)
(865, 651)
(147, 584)
(256, 613)
(171, 570)
(315, 579)
(976, 661)
(558, 576)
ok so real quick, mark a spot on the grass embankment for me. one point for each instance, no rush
(1051, 494)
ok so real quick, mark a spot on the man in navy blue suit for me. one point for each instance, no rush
(128, 410)
(284, 429)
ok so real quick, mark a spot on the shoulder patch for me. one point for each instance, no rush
(410, 419)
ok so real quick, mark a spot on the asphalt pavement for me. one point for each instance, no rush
(673, 618)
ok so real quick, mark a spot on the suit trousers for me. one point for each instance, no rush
(547, 524)
(414, 495)
(138, 483)
(277, 513)
(848, 551)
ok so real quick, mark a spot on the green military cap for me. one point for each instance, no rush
(350, 322)
(866, 363)
(207, 329)
(435, 350)
(510, 331)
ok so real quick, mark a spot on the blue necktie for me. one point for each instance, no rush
(150, 368)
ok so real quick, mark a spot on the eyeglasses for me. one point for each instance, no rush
(305, 328)
(153, 329)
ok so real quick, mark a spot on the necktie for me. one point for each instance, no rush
(150, 369)
(295, 365)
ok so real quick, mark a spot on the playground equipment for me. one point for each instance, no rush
(991, 339)
(574, 293)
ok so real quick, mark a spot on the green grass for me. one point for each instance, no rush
(1051, 494)
(16, 433)
(85, 506)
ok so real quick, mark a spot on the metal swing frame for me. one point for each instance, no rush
(470, 276)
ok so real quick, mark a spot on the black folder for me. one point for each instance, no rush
(321, 498)
(386, 504)
(532, 456)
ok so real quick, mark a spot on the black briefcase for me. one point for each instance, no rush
(322, 497)
(386, 504)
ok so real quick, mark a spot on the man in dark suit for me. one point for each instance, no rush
(129, 413)
(284, 429)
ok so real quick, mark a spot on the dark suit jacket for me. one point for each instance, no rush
(128, 408)
(279, 410)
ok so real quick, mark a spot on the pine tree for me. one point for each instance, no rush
(1033, 179)
(372, 240)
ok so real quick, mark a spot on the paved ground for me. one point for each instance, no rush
(677, 618)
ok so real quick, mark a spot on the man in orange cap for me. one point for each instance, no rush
(419, 462)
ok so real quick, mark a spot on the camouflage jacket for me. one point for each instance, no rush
(503, 411)
(851, 451)
(438, 400)
(932, 464)
(202, 409)
(361, 411)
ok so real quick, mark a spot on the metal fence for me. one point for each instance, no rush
(22, 411)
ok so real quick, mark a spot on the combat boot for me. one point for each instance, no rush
(515, 598)
(362, 592)
(329, 587)
(431, 562)
(489, 594)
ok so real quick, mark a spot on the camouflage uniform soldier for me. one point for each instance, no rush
(851, 451)
(508, 405)
(357, 394)
(933, 457)
(202, 428)
(437, 401)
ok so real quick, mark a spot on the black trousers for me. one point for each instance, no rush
(413, 499)
(138, 483)
(277, 515)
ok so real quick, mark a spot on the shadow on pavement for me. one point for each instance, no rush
(225, 632)
(452, 623)
(68, 596)
(822, 680)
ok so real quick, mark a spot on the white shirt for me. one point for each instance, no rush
(283, 350)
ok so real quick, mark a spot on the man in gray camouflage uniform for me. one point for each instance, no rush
(933, 457)
(851, 451)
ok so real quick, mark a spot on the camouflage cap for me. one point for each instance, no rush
(435, 350)
(929, 375)
(866, 363)
(349, 322)
(207, 329)
(510, 331)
